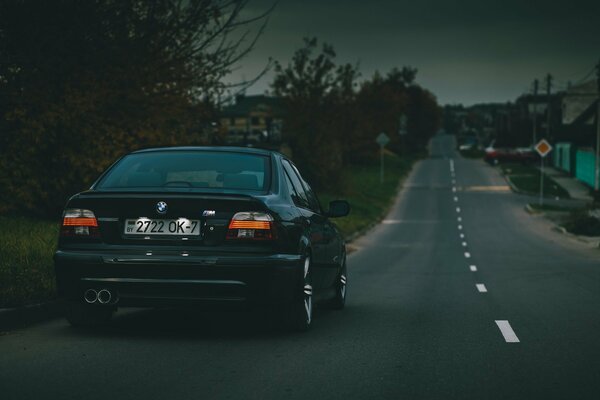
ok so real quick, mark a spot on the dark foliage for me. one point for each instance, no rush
(83, 82)
(333, 121)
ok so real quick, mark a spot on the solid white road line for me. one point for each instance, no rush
(481, 287)
(508, 333)
(473, 268)
(464, 244)
(467, 254)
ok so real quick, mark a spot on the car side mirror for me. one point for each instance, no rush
(338, 208)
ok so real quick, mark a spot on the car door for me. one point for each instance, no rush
(332, 242)
(313, 224)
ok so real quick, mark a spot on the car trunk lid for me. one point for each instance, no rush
(212, 213)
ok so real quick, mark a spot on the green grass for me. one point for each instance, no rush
(368, 198)
(580, 222)
(550, 207)
(527, 179)
(26, 267)
(518, 169)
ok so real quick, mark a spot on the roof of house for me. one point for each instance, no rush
(246, 104)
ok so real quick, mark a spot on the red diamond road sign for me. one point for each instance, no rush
(543, 148)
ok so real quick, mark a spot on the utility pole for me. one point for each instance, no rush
(536, 85)
(548, 91)
(597, 181)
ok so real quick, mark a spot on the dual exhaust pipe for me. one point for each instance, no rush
(103, 296)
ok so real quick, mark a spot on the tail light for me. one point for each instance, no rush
(78, 222)
(251, 225)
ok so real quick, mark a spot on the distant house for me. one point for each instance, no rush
(252, 120)
(576, 153)
(579, 107)
(579, 104)
(534, 108)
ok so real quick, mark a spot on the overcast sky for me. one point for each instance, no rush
(466, 51)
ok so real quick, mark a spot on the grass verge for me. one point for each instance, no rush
(583, 222)
(26, 267)
(527, 179)
(550, 207)
(368, 198)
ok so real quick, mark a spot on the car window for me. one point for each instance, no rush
(290, 186)
(191, 169)
(310, 194)
(300, 199)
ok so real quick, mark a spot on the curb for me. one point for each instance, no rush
(594, 241)
(513, 187)
(19, 317)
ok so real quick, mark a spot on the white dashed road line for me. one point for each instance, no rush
(507, 331)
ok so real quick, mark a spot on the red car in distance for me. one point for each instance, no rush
(497, 155)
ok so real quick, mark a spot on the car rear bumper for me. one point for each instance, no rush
(152, 280)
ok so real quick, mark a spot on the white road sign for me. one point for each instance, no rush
(543, 148)
(382, 139)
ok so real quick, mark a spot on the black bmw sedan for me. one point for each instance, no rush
(200, 225)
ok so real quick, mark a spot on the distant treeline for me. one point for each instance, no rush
(84, 82)
(332, 120)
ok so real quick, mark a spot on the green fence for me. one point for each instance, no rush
(584, 171)
(563, 157)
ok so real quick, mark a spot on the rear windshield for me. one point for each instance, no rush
(189, 169)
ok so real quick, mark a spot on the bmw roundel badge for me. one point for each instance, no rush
(161, 207)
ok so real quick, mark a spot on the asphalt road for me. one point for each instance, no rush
(416, 325)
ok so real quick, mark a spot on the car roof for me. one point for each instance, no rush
(230, 149)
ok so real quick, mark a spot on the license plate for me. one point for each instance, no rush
(147, 227)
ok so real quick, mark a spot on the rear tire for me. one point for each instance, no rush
(85, 315)
(298, 316)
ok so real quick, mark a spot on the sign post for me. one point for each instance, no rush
(402, 131)
(382, 139)
(543, 148)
